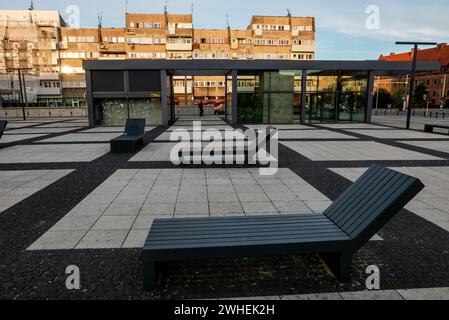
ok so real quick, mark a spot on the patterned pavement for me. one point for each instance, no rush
(64, 199)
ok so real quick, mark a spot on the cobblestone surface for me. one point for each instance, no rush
(414, 253)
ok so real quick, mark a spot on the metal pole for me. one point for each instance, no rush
(443, 94)
(25, 96)
(21, 94)
(412, 86)
(377, 94)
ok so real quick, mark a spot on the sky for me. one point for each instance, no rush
(346, 30)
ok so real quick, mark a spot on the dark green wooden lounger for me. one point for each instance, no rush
(3, 124)
(430, 127)
(336, 234)
(131, 138)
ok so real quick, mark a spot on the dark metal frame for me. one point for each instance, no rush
(226, 67)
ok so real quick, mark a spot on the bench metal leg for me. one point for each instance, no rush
(340, 264)
(149, 275)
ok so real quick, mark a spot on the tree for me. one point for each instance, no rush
(398, 98)
(420, 92)
(385, 98)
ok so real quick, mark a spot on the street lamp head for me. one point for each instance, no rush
(416, 43)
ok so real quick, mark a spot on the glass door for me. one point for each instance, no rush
(321, 107)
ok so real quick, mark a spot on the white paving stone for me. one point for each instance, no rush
(154, 152)
(312, 134)
(82, 137)
(8, 138)
(352, 150)
(130, 200)
(16, 186)
(442, 146)
(398, 134)
(52, 153)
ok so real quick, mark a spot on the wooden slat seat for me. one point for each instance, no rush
(336, 235)
(132, 137)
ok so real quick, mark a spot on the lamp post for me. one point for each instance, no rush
(425, 97)
(411, 101)
(23, 90)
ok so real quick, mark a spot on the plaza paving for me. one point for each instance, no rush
(64, 199)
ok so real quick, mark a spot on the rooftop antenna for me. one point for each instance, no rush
(31, 7)
(228, 25)
(126, 6)
(191, 11)
(100, 19)
(165, 7)
(289, 12)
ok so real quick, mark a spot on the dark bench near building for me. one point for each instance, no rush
(3, 124)
(430, 127)
(336, 234)
(131, 138)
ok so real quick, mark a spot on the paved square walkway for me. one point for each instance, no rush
(65, 199)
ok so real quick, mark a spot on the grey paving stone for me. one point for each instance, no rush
(295, 206)
(144, 222)
(57, 240)
(123, 209)
(225, 207)
(191, 208)
(114, 222)
(222, 196)
(103, 239)
(425, 294)
(253, 197)
(318, 206)
(371, 295)
(281, 196)
(70, 222)
(135, 239)
(317, 296)
(158, 208)
(258, 207)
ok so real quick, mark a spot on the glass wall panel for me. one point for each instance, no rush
(353, 101)
(111, 112)
(149, 109)
(269, 96)
(114, 112)
(334, 96)
(249, 98)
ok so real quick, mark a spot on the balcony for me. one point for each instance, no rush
(181, 90)
(48, 91)
(303, 48)
(179, 46)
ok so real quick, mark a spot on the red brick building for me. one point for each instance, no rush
(437, 84)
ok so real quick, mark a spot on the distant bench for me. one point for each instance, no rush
(233, 152)
(430, 127)
(336, 235)
(131, 138)
(3, 124)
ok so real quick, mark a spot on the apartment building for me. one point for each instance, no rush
(59, 50)
(436, 83)
(29, 42)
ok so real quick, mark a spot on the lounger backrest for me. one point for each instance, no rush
(372, 200)
(135, 127)
(3, 124)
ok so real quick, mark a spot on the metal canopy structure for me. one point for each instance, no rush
(217, 65)
(125, 79)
